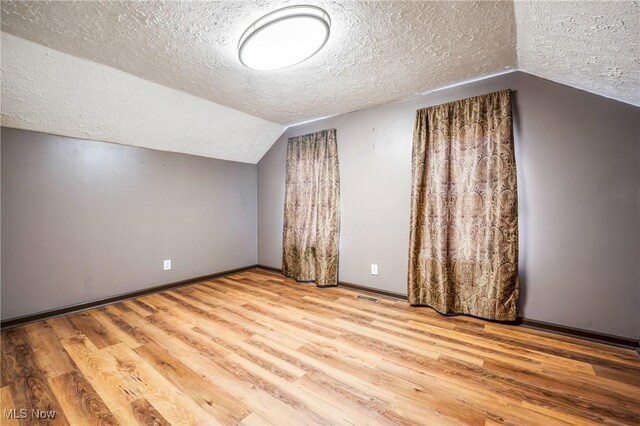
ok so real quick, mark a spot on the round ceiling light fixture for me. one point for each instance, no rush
(284, 38)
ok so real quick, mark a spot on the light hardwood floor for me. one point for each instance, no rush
(257, 348)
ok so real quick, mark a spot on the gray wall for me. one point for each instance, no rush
(578, 158)
(84, 220)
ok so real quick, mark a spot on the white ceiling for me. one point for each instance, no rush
(378, 52)
(591, 45)
(49, 91)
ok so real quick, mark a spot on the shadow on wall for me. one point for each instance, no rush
(522, 206)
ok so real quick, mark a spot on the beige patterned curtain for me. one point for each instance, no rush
(463, 253)
(312, 209)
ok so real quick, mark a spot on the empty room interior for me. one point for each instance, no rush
(320, 212)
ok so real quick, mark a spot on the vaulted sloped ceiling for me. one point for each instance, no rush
(49, 91)
(377, 52)
(591, 45)
(166, 74)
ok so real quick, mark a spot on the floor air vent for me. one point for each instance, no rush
(367, 299)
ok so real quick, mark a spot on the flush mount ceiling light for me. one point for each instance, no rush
(284, 37)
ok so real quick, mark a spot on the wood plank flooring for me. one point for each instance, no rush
(258, 348)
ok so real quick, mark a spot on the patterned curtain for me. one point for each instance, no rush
(463, 254)
(312, 209)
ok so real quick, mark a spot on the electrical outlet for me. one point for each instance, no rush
(167, 265)
(374, 269)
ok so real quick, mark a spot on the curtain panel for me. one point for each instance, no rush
(463, 255)
(312, 209)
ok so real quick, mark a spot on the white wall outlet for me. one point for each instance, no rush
(374, 269)
(167, 265)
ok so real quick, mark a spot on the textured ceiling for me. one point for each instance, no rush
(49, 91)
(592, 45)
(378, 51)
